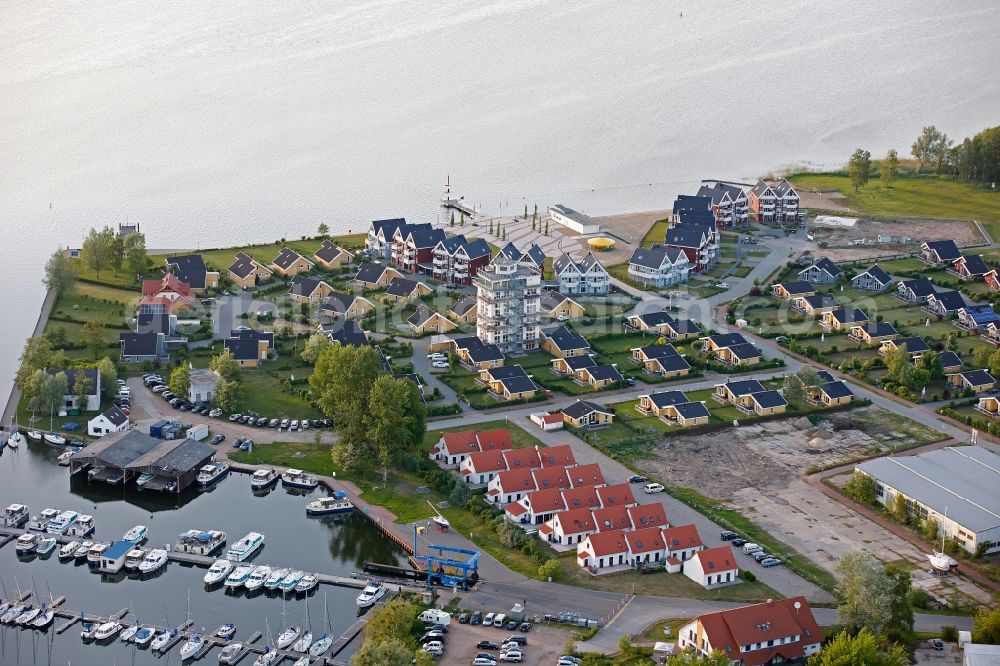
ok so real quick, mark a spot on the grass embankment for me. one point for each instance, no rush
(917, 196)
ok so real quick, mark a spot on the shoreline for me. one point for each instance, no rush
(14, 397)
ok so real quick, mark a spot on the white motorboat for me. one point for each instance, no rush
(325, 506)
(134, 558)
(257, 578)
(226, 631)
(199, 542)
(106, 631)
(129, 633)
(144, 635)
(230, 652)
(301, 661)
(320, 646)
(218, 572)
(136, 535)
(212, 472)
(81, 553)
(40, 522)
(288, 636)
(296, 478)
(27, 543)
(95, 552)
(262, 479)
(62, 522)
(245, 547)
(14, 515)
(83, 527)
(54, 438)
(161, 639)
(239, 576)
(64, 457)
(191, 648)
(275, 578)
(155, 560)
(304, 642)
(66, 552)
(35, 435)
(290, 581)
(307, 584)
(268, 658)
(44, 619)
(45, 545)
(371, 595)
(87, 633)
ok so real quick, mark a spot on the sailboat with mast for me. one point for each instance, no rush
(324, 642)
(939, 560)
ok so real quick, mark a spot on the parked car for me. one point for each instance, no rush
(567, 660)
(751, 548)
(770, 562)
(488, 619)
(477, 617)
(760, 556)
(431, 636)
(304, 424)
(463, 618)
(525, 627)
(739, 543)
(215, 413)
(294, 425)
(487, 645)
(511, 625)
(653, 488)
(273, 423)
(484, 661)
(722, 285)
(729, 535)
(512, 656)
(218, 439)
(159, 388)
(235, 417)
(630, 381)
(548, 393)
(434, 645)
(439, 364)
(327, 423)
(435, 650)
(520, 640)
(261, 422)
(69, 426)
(635, 478)
(437, 356)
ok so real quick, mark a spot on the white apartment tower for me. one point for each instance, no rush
(508, 298)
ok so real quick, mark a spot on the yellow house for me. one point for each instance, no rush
(563, 342)
(331, 256)
(191, 268)
(661, 360)
(249, 347)
(425, 320)
(561, 307)
(464, 310)
(733, 392)
(290, 263)
(816, 304)
(732, 349)
(787, 291)
(874, 332)
(374, 275)
(247, 273)
(599, 376)
(830, 394)
(509, 383)
(686, 414)
(403, 290)
(763, 403)
(990, 405)
(655, 404)
(843, 319)
(584, 414)
(308, 290)
(476, 353)
(572, 365)
(346, 306)
(977, 380)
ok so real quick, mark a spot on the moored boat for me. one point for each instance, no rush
(64, 457)
(275, 578)
(82, 527)
(262, 479)
(106, 631)
(245, 547)
(325, 506)
(54, 438)
(290, 581)
(199, 542)
(218, 572)
(269, 657)
(95, 552)
(239, 576)
(230, 652)
(81, 553)
(304, 642)
(257, 578)
(61, 523)
(14, 515)
(212, 472)
(134, 558)
(144, 635)
(44, 619)
(307, 584)
(129, 633)
(320, 646)
(35, 435)
(40, 522)
(27, 617)
(373, 592)
(27, 543)
(67, 551)
(296, 478)
(161, 639)
(136, 535)
(226, 631)
(144, 479)
(45, 545)
(288, 636)
(191, 648)
(155, 560)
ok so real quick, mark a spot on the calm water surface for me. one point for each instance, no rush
(332, 545)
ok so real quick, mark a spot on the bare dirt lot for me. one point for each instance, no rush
(545, 643)
(963, 232)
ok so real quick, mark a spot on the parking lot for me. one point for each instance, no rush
(545, 643)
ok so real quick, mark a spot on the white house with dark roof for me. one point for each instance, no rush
(822, 271)
(112, 420)
(586, 276)
(945, 303)
(873, 279)
(71, 400)
(774, 203)
(378, 242)
(940, 253)
(696, 242)
(915, 291)
(969, 267)
(730, 204)
(659, 266)
(977, 317)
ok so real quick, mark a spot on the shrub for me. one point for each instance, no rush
(551, 570)
(748, 576)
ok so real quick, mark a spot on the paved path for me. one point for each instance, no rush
(10, 410)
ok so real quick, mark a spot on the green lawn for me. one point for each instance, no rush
(620, 271)
(268, 397)
(922, 196)
(656, 233)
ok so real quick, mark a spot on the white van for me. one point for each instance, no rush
(653, 488)
(435, 616)
(500, 620)
(751, 548)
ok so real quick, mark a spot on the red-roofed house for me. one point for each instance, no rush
(170, 289)
(569, 527)
(510, 485)
(556, 456)
(772, 632)
(454, 447)
(602, 551)
(518, 458)
(541, 505)
(479, 468)
(683, 541)
(713, 567)
(581, 497)
(645, 546)
(617, 495)
(612, 518)
(648, 515)
(586, 475)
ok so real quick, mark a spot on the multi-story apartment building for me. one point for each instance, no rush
(730, 204)
(586, 276)
(457, 259)
(659, 266)
(774, 203)
(508, 298)
(413, 247)
(379, 240)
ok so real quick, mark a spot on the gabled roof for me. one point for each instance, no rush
(692, 410)
(715, 192)
(155, 322)
(977, 377)
(797, 287)
(684, 327)
(678, 363)
(687, 202)
(826, 376)
(422, 236)
(661, 399)
(511, 252)
(589, 263)
(463, 305)
(551, 299)
(607, 543)
(139, 344)
(190, 268)
(338, 302)
(563, 263)
(451, 244)
(783, 187)
(914, 345)
(345, 332)
(879, 329)
(567, 340)
(838, 389)
(921, 287)
(656, 256)
(849, 315)
(657, 351)
(768, 399)
(761, 188)
(328, 251)
(305, 286)
(535, 254)
(115, 416)
(169, 282)
(497, 438)
(613, 518)
(516, 480)
(619, 494)
(93, 374)
(714, 560)
(946, 250)
(388, 227)
(243, 344)
(949, 359)
(560, 455)
(950, 300)
(581, 408)
(518, 383)
(577, 363)
(645, 540)
(877, 273)
(724, 340)
(822, 301)
(506, 372)
(770, 621)
(654, 319)
(486, 461)
(467, 342)
(542, 501)
(371, 272)
(585, 475)
(422, 315)
(744, 387)
(695, 217)
(287, 257)
(647, 515)
(477, 248)
(574, 521)
(981, 314)
(974, 264)
(401, 287)
(550, 477)
(484, 353)
(606, 372)
(744, 351)
(686, 236)
(681, 537)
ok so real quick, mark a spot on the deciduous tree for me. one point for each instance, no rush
(60, 273)
(180, 381)
(858, 168)
(853, 650)
(314, 346)
(398, 419)
(551, 570)
(323, 229)
(82, 386)
(923, 148)
(37, 354)
(229, 395)
(134, 251)
(691, 658)
(383, 652)
(116, 254)
(226, 365)
(986, 626)
(861, 488)
(97, 249)
(867, 592)
(889, 169)
(93, 338)
(47, 391)
(109, 376)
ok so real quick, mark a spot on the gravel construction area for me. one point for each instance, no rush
(545, 643)
(963, 232)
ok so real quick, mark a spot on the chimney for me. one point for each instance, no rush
(770, 602)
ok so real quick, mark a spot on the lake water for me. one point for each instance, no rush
(334, 545)
(211, 123)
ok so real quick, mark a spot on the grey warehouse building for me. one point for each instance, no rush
(959, 487)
